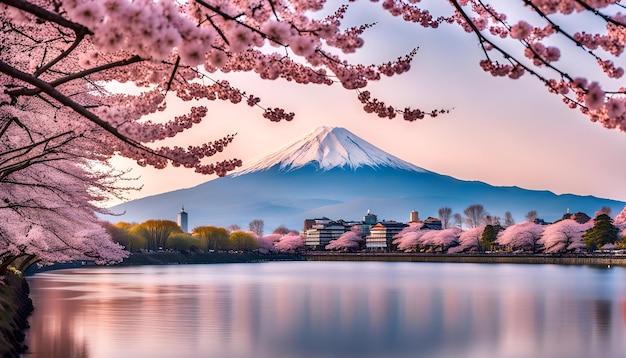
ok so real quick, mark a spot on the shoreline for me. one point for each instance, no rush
(592, 260)
(191, 258)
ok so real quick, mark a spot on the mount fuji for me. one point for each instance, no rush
(333, 173)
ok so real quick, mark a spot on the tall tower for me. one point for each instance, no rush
(182, 219)
(414, 217)
(370, 219)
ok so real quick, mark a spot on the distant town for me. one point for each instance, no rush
(473, 232)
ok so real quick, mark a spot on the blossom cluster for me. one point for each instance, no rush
(539, 45)
(373, 105)
(564, 235)
(350, 240)
(165, 47)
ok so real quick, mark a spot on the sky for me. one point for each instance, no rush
(499, 131)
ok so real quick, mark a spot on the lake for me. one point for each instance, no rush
(329, 309)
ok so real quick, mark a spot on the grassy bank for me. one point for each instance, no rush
(483, 259)
(15, 306)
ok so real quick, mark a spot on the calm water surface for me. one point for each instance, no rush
(334, 309)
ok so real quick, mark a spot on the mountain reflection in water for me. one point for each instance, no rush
(334, 309)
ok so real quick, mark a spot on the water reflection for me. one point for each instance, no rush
(316, 309)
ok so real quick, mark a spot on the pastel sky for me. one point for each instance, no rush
(499, 131)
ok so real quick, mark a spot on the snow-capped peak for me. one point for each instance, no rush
(327, 148)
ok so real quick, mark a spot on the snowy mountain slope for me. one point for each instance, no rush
(337, 175)
(327, 148)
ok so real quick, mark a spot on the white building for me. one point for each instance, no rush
(182, 219)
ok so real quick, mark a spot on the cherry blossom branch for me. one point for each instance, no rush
(43, 143)
(76, 75)
(61, 56)
(482, 39)
(229, 17)
(79, 109)
(27, 162)
(44, 14)
(169, 82)
(599, 13)
(558, 29)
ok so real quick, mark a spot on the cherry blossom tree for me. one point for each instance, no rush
(408, 239)
(274, 237)
(440, 240)
(564, 236)
(469, 240)
(47, 215)
(348, 241)
(266, 245)
(266, 242)
(290, 243)
(523, 236)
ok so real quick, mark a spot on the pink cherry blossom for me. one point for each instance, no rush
(595, 96)
(290, 243)
(278, 33)
(615, 107)
(302, 45)
(349, 241)
(522, 236)
(88, 13)
(521, 30)
(469, 240)
(564, 236)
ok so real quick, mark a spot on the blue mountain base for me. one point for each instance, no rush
(288, 197)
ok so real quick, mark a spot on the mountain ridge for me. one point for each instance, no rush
(289, 186)
(330, 147)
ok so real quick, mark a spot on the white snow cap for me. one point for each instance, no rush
(328, 147)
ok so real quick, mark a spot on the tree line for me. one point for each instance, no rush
(574, 233)
(156, 235)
